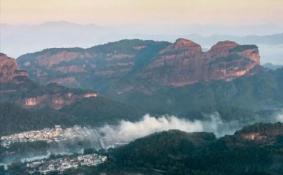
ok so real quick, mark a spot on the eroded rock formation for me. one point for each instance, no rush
(133, 64)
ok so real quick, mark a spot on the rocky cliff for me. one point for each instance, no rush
(16, 87)
(184, 63)
(134, 64)
(9, 70)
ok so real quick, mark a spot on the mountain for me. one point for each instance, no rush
(184, 63)
(254, 150)
(16, 86)
(21, 39)
(166, 78)
(235, 99)
(270, 46)
(36, 106)
(274, 39)
(128, 65)
(15, 119)
(272, 66)
(271, 39)
(9, 71)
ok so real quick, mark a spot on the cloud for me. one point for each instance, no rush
(279, 117)
(76, 139)
(124, 132)
(127, 131)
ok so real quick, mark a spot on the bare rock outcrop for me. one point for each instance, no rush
(9, 70)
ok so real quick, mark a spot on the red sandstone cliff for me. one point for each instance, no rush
(130, 64)
(184, 63)
(15, 86)
(9, 70)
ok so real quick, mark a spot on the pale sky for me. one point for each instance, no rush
(109, 12)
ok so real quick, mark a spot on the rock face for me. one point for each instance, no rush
(261, 133)
(55, 100)
(184, 63)
(133, 64)
(15, 86)
(9, 70)
(92, 68)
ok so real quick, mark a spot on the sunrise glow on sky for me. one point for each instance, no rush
(108, 12)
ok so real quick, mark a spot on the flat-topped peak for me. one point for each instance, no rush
(227, 45)
(222, 48)
(182, 42)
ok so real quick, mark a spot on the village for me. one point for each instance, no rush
(63, 164)
(48, 135)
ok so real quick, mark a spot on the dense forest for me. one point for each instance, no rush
(175, 152)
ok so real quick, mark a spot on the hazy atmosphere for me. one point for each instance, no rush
(33, 25)
(109, 12)
(141, 87)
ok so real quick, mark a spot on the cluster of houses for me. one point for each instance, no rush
(48, 135)
(65, 163)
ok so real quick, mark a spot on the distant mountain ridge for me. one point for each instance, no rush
(272, 66)
(20, 39)
(130, 64)
(271, 39)
(154, 77)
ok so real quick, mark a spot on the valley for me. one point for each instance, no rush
(141, 87)
(106, 109)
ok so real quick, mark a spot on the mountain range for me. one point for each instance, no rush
(121, 81)
(134, 77)
(177, 78)
(17, 40)
(125, 64)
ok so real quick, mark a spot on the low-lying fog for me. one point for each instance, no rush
(77, 138)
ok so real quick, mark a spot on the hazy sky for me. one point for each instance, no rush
(109, 12)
